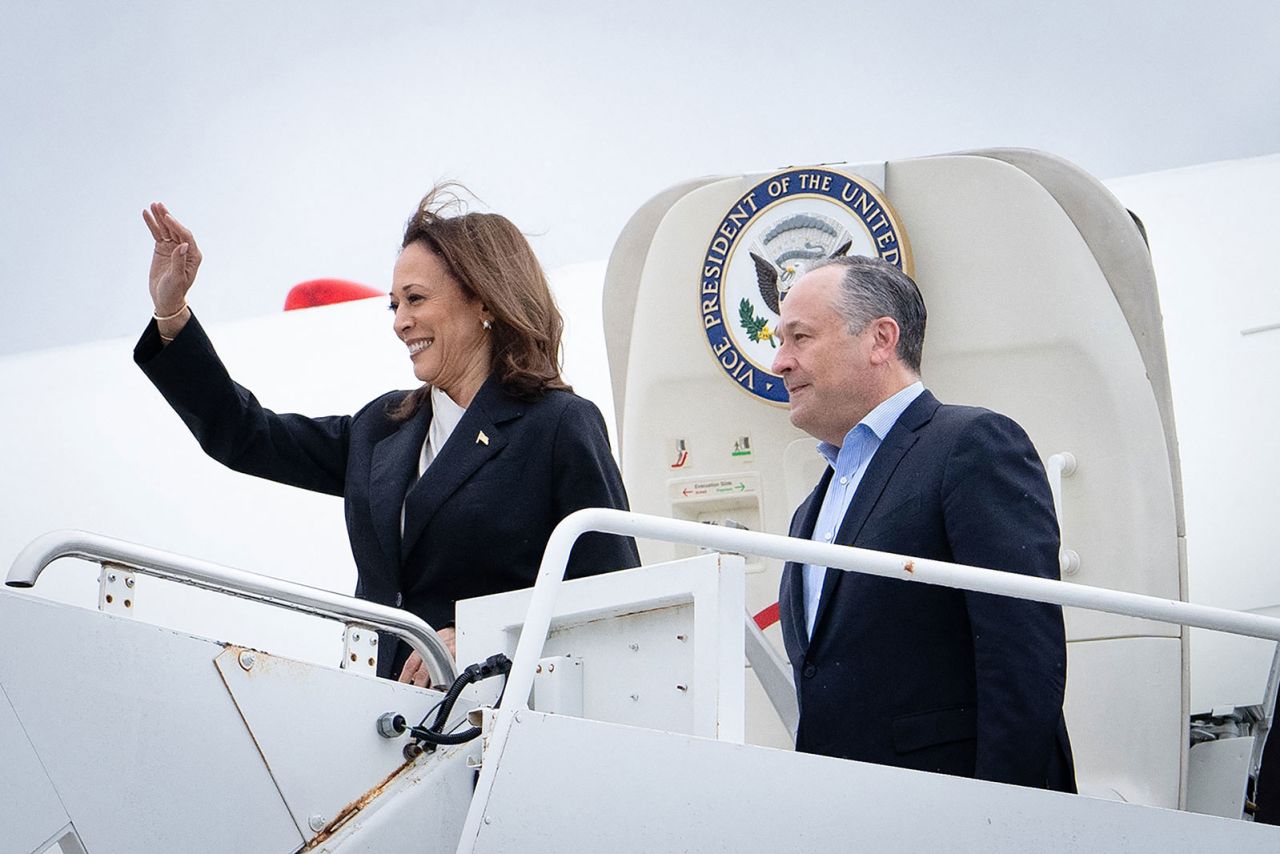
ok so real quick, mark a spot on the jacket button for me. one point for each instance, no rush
(808, 671)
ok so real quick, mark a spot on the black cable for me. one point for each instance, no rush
(464, 679)
(442, 738)
(491, 666)
(434, 735)
(430, 710)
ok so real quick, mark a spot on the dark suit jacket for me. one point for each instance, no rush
(926, 677)
(476, 522)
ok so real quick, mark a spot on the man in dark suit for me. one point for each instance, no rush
(892, 671)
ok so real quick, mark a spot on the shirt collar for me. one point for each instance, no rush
(878, 421)
(444, 410)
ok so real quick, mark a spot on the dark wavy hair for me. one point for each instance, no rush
(491, 260)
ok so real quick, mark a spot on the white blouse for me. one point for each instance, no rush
(445, 415)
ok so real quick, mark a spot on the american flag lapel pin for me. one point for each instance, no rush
(482, 439)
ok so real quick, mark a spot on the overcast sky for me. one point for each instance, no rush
(295, 138)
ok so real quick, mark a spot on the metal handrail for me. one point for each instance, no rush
(1057, 467)
(145, 560)
(555, 559)
(849, 558)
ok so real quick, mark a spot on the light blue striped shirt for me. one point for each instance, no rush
(850, 461)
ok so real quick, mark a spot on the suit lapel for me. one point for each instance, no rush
(393, 468)
(793, 591)
(477, 438)
(885, 462)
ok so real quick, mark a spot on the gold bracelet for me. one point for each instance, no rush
(172, 316)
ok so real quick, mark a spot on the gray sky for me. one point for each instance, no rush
(295, 138)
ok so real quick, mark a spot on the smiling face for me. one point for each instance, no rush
(830, 373)
(442, 325)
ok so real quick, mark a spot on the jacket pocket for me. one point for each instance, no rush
(926, 729)
(900, 510)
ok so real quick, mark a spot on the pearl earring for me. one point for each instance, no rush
(486, 324)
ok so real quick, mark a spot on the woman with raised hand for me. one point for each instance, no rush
(451, 489)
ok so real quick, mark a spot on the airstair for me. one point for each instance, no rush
(620, 726)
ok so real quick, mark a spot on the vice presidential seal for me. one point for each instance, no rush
(770, 238)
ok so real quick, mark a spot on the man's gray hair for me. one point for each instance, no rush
(872, 288)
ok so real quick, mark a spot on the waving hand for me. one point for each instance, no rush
(173, 268)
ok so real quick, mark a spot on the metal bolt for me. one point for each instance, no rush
(373, 640)
(635, 697)
(538, 669)
(635, 647)
(111, 577)
(488, 820)
(682, 687)
(355, 636)
(682, 637)
(247, 660)
(128, 582)
(391, 724)
(551, 668)
(316, 822)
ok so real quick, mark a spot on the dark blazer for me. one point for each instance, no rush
(925, 677)
(475, 523)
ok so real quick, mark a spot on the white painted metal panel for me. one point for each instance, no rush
(337, 756)
(137, 733)
(567, 784)
(661, 646)
(1218, 776)
(1125, 734)
(30, 812)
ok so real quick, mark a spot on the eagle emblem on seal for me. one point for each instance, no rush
(786, 252)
